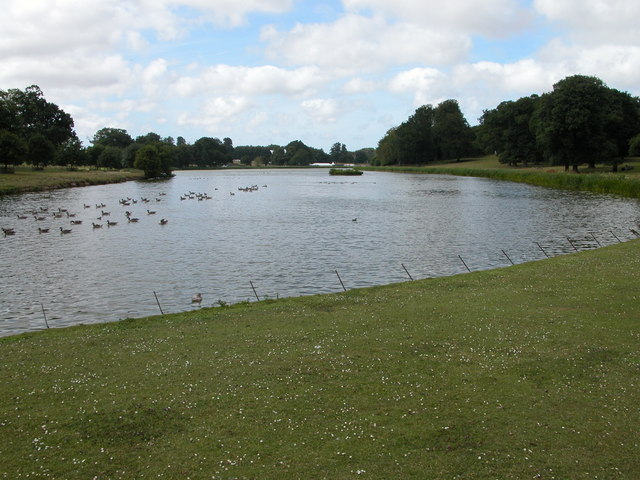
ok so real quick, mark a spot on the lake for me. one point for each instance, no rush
(284, 232)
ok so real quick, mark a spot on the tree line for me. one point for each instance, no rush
(36, 132)
(580, 122)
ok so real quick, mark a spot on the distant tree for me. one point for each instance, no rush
(40, 151)
(452, 135)
(154, 160)
(634, 146)
(228, 145)
(149, 139)
(12, 149)
(112, 137)
(71, 154)
(623, 122)
(110, 157)
(209, 152)
(506, 131)
(180, 141)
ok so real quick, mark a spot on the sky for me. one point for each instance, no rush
(267, 72)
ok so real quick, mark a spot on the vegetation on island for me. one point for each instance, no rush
(345, 171)
(521, 372)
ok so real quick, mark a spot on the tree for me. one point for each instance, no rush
(209, 152)
(623, 122)
(505, 130)
(12, 149)
(110, 157)
(112, 137)
(570, 122)
(27, 113)
(71, 154)
(452, 135)
(154, 160)
(40, 151)
(148, 139)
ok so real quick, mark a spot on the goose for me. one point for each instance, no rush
(57, 214)
(22, 217)
(43, 230)
(197, 298)
(110, 223)
(150, 212)
(164, 221)
(354, 219)
(9, 231)
(65, 230)
(86, 206)
(70, 215)
(104, 214)
(96, 225)
(133, 220)
(76, 222)
(39, 218)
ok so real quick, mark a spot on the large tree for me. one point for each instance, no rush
(570, 123)
(453, 137)
(27, 113)
(154, 160)
(112, 137)
(12, 149)
(505, 130)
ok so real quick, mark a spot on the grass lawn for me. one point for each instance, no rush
(531, 371)
(28, 180)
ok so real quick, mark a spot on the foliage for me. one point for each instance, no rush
(505, 130)
(40, 151)
(154, 160)
(522, 372)
(345, 171)
(12, 149)
(112, 137)
(427, 136)
(634, 146)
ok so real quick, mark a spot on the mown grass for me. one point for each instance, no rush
(28, 180)
(625, 183)
(530, 371)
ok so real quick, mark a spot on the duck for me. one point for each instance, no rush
(164, 221)
(197, 298)
(9, 231)
(65, 230)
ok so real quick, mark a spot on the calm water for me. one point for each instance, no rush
(288, 238)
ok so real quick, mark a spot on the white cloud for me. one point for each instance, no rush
(250, 81)
(595, 21)
(428, 85)
(216, 113)
(356, 43)
(323, 110)
(493, 18)
(359, 85)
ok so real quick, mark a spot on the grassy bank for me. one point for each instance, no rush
(28, 180)
(530, 371)
(625, 184)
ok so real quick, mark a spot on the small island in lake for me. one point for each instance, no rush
(345, 171)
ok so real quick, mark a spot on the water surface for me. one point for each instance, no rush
(288, 237)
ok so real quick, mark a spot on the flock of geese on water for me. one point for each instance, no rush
(43, 213)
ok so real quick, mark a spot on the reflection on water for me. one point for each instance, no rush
(288, 237)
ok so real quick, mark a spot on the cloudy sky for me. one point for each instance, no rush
(320, 71)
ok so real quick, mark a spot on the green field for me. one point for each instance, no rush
(531, 371)
(28, 180)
